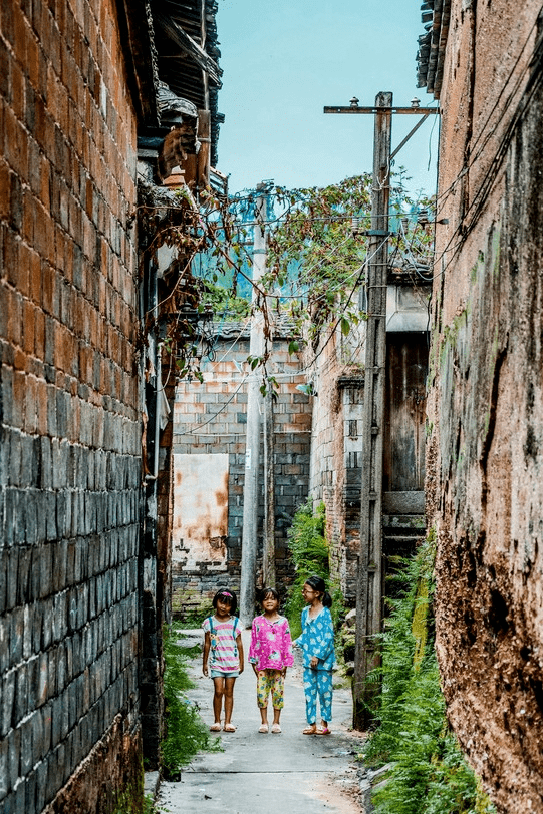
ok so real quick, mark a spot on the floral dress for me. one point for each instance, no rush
(270, 651)
(271, 645)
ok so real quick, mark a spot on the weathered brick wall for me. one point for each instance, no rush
(211, 418)
(336, 453)
(486, 399)
(70, 467)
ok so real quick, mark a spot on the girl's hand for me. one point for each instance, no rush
(254, 668)
(241, 667)
(205, 671)
(284, 672)
(314, 662)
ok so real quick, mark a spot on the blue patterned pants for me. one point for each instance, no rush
(318, 682)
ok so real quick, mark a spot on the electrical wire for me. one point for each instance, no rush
(214, 416)
(333, 329)
(476, 206)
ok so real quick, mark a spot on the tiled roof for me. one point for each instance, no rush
(436, 15)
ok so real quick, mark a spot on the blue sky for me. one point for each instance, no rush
(283, 60)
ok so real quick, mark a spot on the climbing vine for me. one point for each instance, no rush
(318, 249)
(317, 258)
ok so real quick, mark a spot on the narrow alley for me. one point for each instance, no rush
(268, 773)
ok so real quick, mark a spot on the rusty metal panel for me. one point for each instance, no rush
(200, 519)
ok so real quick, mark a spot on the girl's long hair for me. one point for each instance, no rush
(318, 584)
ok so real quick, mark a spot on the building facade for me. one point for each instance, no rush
(484, 62)
(80, 660)
(210, 423)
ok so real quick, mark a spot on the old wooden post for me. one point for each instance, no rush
(369, 594)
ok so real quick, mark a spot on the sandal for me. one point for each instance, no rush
(311, 730)
(264, 729)
(276, 729)
(216, 727)
(229, 728)
(323, 731)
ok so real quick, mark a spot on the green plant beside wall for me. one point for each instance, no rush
(186, 732)
(428, 773)
(310, 553)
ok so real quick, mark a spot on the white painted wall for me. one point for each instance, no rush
(200, 518)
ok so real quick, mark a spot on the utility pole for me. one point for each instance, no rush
(369, 589)
(268, 556)
(249, 544)
(369, 594)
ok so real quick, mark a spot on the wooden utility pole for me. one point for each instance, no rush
(249, 543)
(369, 589)
(369, 593)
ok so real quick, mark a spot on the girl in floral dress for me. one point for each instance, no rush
(270, 653)
(317, 644)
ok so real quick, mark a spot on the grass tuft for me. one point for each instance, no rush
(187, 734)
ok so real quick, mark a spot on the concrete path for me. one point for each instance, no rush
(288, 773)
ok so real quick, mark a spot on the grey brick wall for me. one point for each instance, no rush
(70, 468)
(221, 400)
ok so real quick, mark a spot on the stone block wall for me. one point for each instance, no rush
(70, 467)
(211, 418)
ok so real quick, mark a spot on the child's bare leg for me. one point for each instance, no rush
(264, 714)
(217, 698)
(276, 715)
(228, 699)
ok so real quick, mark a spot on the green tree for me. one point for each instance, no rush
(317, 260)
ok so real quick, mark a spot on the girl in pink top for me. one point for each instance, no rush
(270, 653)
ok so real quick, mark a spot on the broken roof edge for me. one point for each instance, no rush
(136, 33)
(436, 14)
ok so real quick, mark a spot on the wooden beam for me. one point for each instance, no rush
(135, 38)
(357, 109)
(190, 47)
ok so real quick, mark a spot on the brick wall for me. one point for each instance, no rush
(70, 469)
(210, 418)
(336, 452)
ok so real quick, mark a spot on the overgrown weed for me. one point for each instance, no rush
(186, 733)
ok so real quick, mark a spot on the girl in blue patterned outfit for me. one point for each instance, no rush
(317, 644)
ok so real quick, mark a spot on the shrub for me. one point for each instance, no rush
(429, 774)
(310, 554)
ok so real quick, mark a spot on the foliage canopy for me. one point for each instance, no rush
(316, 261)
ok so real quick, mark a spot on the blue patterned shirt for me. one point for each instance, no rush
(317, 639)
